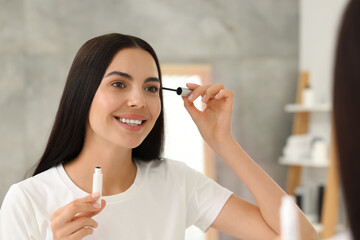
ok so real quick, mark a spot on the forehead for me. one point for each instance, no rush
(133, 61)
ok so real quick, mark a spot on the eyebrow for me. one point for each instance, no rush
(127, 76)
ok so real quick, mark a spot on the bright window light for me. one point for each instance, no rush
(183, 141)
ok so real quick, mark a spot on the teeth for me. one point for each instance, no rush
(130, 121)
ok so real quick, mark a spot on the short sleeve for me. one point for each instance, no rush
(205, 199)
(17, 219)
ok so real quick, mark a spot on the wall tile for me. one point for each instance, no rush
(43, 27)
(12, 26)
(46, 77)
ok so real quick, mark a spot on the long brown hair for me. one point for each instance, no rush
(67, 136)
(347, 111)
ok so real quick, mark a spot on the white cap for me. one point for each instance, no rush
(98, 170)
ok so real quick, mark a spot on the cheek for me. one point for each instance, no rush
(104, 102)
(156, 108)
(93, 113)
(100, 105)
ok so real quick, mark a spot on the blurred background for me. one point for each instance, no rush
(258, 49)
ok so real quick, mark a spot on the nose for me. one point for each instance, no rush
(136, 99)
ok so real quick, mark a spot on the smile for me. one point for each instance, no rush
(131, 122)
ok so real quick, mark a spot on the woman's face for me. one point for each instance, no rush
(127, 103)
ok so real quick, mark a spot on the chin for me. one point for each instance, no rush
(130, 144)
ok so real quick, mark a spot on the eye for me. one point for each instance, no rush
(118, 85)
(152, 89)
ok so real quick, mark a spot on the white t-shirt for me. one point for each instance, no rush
(165, 198)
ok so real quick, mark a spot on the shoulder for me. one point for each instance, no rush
(36, 187)
(39, 181)
(14, 195)
(16, 205)
(21, 208)
(17, 215)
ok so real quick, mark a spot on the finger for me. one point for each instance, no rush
(212, 91)
(77, 224)
(196, 92)
(91, 214)
(192, 85)
(73, 208)
(224, 93)
(89, 198)
(81, 233)
(79, 207)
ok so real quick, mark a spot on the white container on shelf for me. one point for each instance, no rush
(298, 146)
(308, 97)
(319, 152)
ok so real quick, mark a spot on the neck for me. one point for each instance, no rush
(118, 169)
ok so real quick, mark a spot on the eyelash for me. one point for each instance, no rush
(116, 84)
(152, 89)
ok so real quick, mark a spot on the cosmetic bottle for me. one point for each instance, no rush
(289, 219)
(308, 96)
(97, 183)
(319, 151)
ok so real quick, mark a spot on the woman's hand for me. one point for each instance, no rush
(214, 122)
(74, 220)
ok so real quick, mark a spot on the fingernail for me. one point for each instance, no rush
(191, 96)
(96, 224)
(95, 195)
(96, 205)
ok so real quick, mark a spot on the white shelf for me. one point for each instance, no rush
(319, 228)
(304, 108)
(304, 162)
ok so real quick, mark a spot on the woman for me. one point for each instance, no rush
(110, 115)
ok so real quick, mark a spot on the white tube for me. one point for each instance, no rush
(289, 219)
(183, 91)
(97, 183)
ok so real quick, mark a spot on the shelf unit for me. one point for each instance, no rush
(305, 162)
(300, 126)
